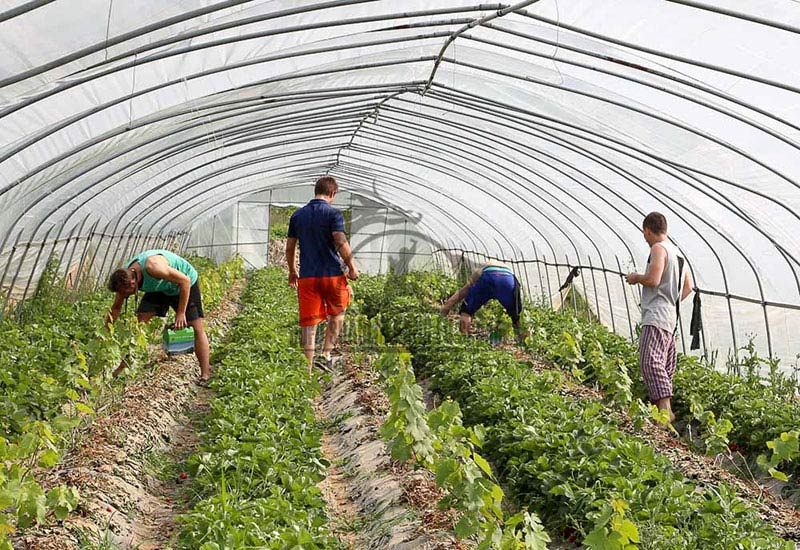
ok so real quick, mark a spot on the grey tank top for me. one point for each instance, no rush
(658, 303)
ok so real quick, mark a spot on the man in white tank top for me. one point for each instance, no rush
(665, 283)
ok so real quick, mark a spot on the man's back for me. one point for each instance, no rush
(313, 225)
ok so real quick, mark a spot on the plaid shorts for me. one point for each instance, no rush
(658, 360)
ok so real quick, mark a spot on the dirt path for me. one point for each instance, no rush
(703, 469)
(374, 502)
(118, 465)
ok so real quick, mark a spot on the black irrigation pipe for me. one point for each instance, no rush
(646, 154)
(732, 296)
(617, 170)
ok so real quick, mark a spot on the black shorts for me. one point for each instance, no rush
(159, 303)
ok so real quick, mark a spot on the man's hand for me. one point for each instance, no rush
(180, 321)
(632, 278)
(352, 273)
(293, 279)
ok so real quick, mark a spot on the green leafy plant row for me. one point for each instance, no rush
(438, 441)
(582, 474)
(257, 470)
(55, 360)
(737, 407)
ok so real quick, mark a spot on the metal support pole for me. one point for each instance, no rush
(74, 247)
(237, 229)
(608, 294)
(383, 240)
(34, 268)
(64, 250)
(112, 236)
(269, 225)
(538, 269)
(103, 235)
(547, 274)
(585, 294)
(19, 267)
(625, 294)
(85, 252)
(594, 286)
(5, 271)
(572, 286)
(769, 335)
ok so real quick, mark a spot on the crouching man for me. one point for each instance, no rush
(168, 281)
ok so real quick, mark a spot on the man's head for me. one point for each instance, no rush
(122, 282)
(654, 227)
(326, 188)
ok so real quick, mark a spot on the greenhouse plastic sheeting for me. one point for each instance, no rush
(540, 132)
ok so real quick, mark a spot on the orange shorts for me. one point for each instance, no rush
(321, 297)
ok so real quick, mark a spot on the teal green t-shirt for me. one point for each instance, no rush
(151, 284)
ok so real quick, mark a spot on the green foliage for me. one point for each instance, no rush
(439, 441)
(55, 362)
(612, 531)
(785, 448)
(716, 431)
(561, 455)
(279, 221)
(739, 407)
(257, 470)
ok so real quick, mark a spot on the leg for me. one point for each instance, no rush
(142, 317)
(336, 296)
(308, 340)
(201, 347)
(653, 352)
(332, 332)
(312, 313)
(671, 366)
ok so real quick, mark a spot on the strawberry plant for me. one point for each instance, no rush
(255, 476)
(439, 441)
(55, 360)
(560, 455)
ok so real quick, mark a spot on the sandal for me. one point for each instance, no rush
(203, 382)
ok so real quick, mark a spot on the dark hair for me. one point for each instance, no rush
(119, 280)
(326, 185)
(655, 222)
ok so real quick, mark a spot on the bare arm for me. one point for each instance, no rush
(652, 278)
(687, 285)
(455, 298)
(158, 267)
(343, 248)
(116, 309)
(291, 259)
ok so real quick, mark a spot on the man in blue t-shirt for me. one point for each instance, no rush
(322, 289)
